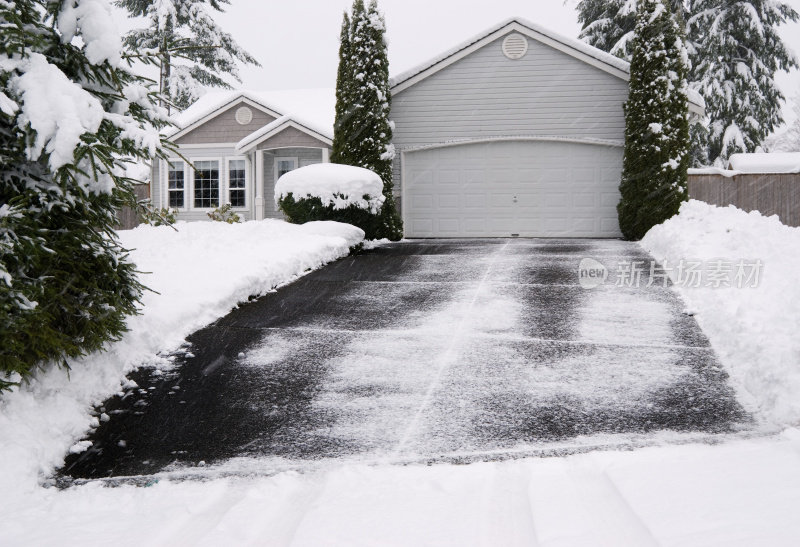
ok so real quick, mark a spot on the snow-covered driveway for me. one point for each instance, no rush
(428, 350)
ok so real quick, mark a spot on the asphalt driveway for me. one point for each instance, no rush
(431, 349)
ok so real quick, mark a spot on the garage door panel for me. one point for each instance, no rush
(533, 188)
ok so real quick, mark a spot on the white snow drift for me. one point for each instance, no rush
(335, 184)
(199, 273)
(754, 330)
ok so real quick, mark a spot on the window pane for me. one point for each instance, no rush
(237, 198)
(284, 166)
(236, 183)
(206, 184)
(176, 199)
(175, 176)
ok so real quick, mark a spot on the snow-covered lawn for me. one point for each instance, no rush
(739, 492)
(199, 273)
(755, 331)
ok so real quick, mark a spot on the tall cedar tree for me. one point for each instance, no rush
(363, 131)
(72, 117)
(339, 153)
(656, 122)
(609, 24)
(737, 51)
(193, 51)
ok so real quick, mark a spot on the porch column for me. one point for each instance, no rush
(326, 155)
(259, 185)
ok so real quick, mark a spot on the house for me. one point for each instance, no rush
(233, 139)
(517, 131)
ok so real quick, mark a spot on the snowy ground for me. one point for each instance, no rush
(739, 492)
(199, 273)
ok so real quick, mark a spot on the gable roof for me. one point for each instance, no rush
(315, 106)
(571, 46)
(271, 129)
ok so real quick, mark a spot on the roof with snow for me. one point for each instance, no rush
(766, 162)
(571, 46)
(312, 108)
(275, 127)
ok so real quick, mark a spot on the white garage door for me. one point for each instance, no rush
(505, 188)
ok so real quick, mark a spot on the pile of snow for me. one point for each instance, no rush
(766, 162)
(199, 273)
(754, 330)
(335, 184)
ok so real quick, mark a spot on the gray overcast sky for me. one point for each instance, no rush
(297, 41)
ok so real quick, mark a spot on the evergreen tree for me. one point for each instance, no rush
(656, 122)
(339, 154)
(193, 51)
(609, 24)
(363, 131)
(72, 117)
(737, 52)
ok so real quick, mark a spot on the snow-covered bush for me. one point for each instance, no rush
(73, 118)
(328, 191)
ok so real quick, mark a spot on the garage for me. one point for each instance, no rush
(505, 188)
(515, 131)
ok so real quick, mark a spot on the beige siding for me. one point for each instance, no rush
(291, 137)
(225, 129)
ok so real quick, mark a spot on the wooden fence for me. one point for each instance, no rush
(770, 194)
(128, 217)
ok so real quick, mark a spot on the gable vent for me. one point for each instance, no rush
(515, 46)
(244, 115)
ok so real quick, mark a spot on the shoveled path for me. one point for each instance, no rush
(424, 350)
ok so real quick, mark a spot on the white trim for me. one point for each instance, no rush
(326, 155)
(403, 208)
(229, 145)
(259, 201)
(228, 160)
(406, 82)
(220, 182)
(531, 138)
(278, 159)
(219, 110)
(245, 145)
(185, 184)
(162, 175)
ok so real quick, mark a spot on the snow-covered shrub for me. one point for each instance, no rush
(73, 118)
(328, 191)
(224, 213)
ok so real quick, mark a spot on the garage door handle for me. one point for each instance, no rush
(515, 199)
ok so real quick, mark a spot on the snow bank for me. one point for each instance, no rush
(766, 162)
(754, 330)
(200, 272)
(740, 493)
(340, 185)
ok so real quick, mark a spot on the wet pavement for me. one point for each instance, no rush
(426, 349)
